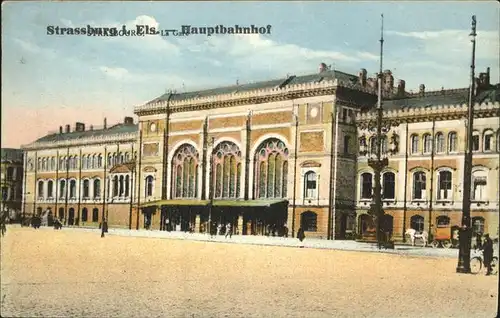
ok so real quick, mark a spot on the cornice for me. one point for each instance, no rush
(244, 98)
(425, 114)
(89, 141)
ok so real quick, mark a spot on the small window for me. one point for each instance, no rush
(475, 142)
(84, 215)
(308, 221)
(414, 144)
(417, 223)
(452, 142)
(444, 185)
(443, 221)
(310, 185)
(366, 186)
(347, 141)
(95, 215)
(149, 186)
(478, 225)
(389, 185)
(488, 141)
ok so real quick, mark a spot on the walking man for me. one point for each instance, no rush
(487, 253)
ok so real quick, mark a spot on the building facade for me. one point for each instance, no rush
(12, 182)
(259, 156)
(424, 141)
(81, 176)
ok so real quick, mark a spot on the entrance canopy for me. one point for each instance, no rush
(215, 203)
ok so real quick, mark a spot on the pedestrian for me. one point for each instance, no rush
(300, 235)
(228, 230)
(104, 227)
(487, 253)
(219, 229)
(167, 225)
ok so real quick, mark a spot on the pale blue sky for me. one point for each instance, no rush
(54, 80)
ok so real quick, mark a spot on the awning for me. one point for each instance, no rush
(216, 203)
(247, 203)
(179, 202)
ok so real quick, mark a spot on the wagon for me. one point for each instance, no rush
(445, 236)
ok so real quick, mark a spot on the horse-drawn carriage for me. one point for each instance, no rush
(445, 235)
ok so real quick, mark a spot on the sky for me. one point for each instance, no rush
(50, 81)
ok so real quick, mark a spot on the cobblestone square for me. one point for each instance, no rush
(79, 274)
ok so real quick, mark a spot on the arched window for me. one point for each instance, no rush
(40, 189)
(488, 140)
(84, 163)
(479, 182)
(99, 161)
(444, 185)
(50, 189)
(419, 186)
(227, 170)
(10, 173)
(115, 186)
(127, 157)
(452, 142)
(62, 189)
(414, 144)
(475, 140)
(97, 188)
(110, 161)
(86, 188)
(127, 186)
(439, 142)
(310, 185)
(72, 189)
(39, 164)
(53, 163)
(417, 223)
(427, 143)
(389, 185)
(478, 225)
(95, 215)
(442, 221)
(121, 186)
(384, 145)
(271, 169)
(85, 213)
(122, 157)
(185, 172)
(149, 186)
(366, 186)
(373, 145)
(347, 142)
(309, 221)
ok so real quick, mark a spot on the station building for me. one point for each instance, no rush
(273, 155)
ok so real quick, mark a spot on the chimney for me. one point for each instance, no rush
(421, 92)
(105, 123)
(401, 88)
(60, 129)
(128, 121)
(68, 129)
(323, 68)
(362, 77)
(80, 127)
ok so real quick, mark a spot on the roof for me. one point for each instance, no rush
(290, 80)
(113, 130)
(11, 154)
(444, 97)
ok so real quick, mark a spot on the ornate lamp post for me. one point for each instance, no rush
(463, 265)
(378, 163)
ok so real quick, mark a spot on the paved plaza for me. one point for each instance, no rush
(75, 272)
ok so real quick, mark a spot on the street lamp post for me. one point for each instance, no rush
(463, 265)
(378, 163)
(210, 183)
